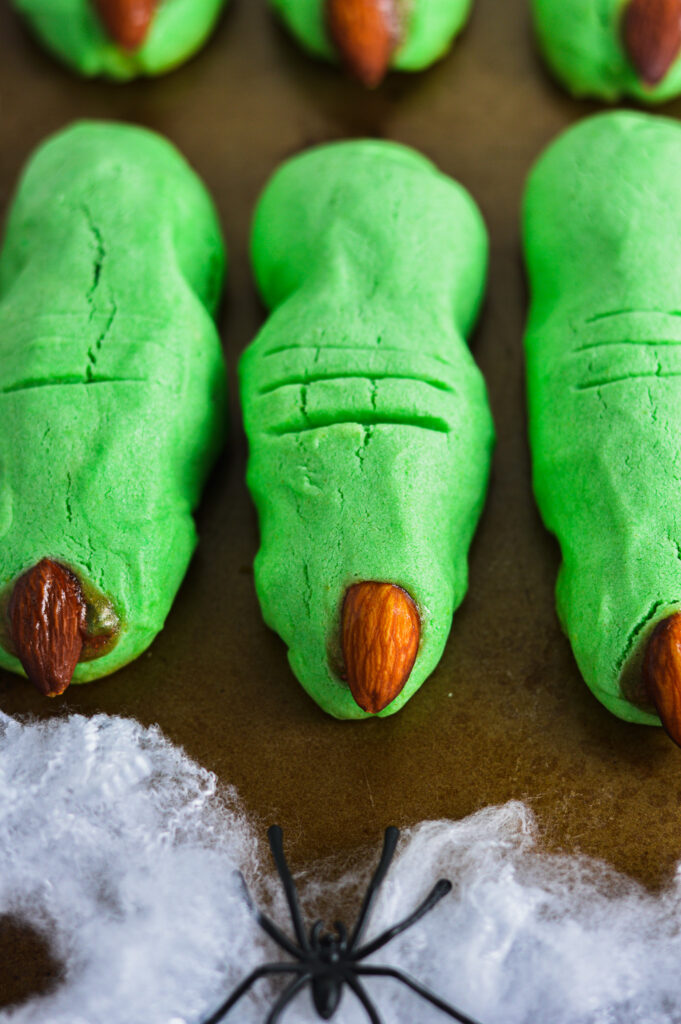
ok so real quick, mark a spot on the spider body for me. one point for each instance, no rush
(328, 953)
(328, 961)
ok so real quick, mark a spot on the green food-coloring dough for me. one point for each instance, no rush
(602, 226)
(368, 424)
(430, 28)
(583, 44)
(72, 30)
(111, 374)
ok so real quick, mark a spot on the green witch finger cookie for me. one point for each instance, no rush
(613, 48)
(111, 397)
(368, 424)
(370, 36)
(602, 227)
(121, 38)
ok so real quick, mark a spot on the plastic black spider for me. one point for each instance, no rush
(329, 961)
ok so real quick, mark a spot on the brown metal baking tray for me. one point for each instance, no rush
(506, 714)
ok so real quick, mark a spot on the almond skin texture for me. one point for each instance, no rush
(381, 630)
(365, 34)
(652, 36)
(662, 674)
(127, 21)
(48, 621)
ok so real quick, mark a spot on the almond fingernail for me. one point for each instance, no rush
(365, 33)
(127, 21)
(652, 36)
(47, 615)
(381, 631)
(662, 673)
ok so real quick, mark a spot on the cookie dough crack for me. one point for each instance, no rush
(99, 250)
(371, 349)
(656, 374)
(100, 253)
(66, 382)
(307, 595)
(317, 378)
(630, 343)
(67, 499)
(361, 451)
(94, 350)
(612, 313)
(637, 630)
(320, 421)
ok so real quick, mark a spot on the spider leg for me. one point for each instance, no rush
(275, 836)
(421, 990)
(361, 994)
(241, 990)
(268, 925)
(342, 933)
(389, 844)
(286, 997)
(439, 890)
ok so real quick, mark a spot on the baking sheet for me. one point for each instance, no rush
(506, 714)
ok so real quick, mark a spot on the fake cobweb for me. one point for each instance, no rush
(121, 850)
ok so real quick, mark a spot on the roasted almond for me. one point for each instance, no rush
(365, 33)
(127, 21)
(662, 673)
(47, 615)
(652, 36)
(381, 631)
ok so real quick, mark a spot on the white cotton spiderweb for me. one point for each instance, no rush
(122, 851)
(120, 848)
